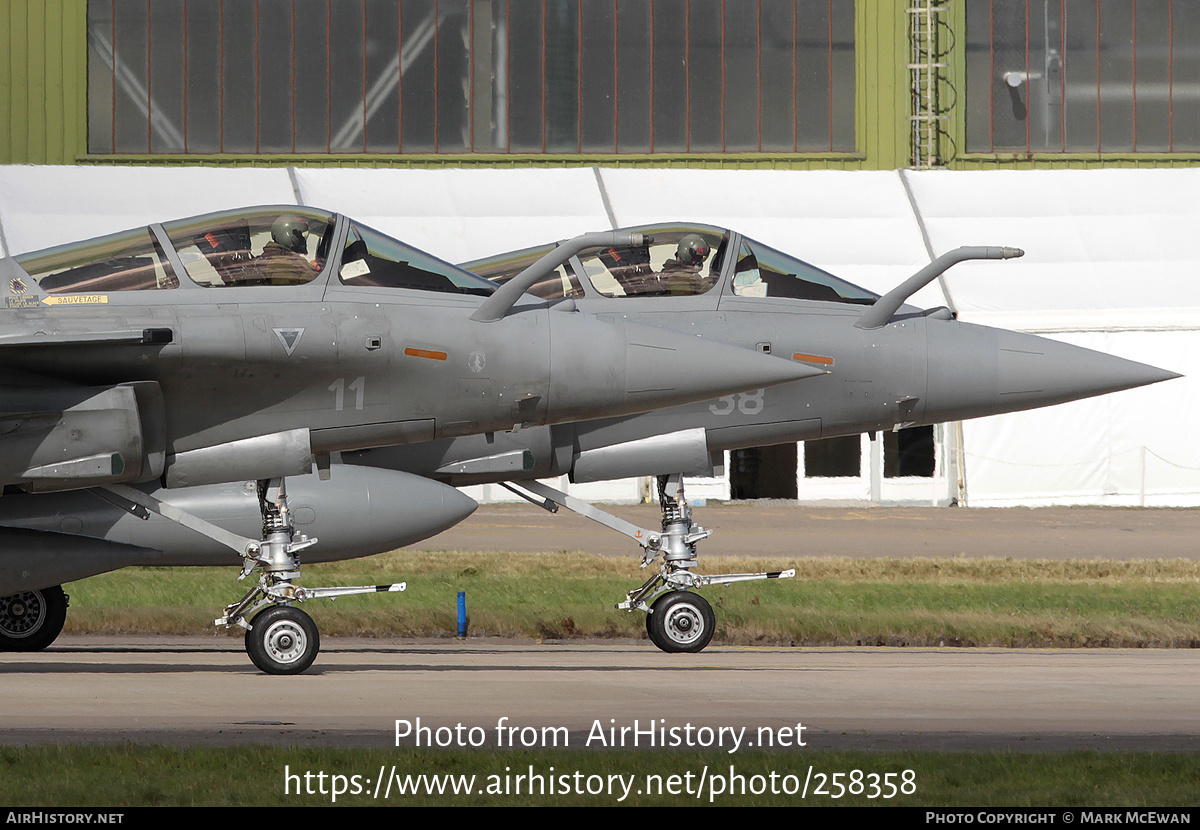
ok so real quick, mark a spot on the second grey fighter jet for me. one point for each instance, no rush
(890, 366)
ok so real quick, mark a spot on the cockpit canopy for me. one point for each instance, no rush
(287, 245)
(678, 261)
(127, 261)
(371, 259)
(263, 246)
(253, 247)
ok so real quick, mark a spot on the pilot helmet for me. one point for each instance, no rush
(692, 250)
(289, 232)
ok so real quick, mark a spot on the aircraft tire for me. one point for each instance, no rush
(681, 621)
(283, 640)
(32, 620)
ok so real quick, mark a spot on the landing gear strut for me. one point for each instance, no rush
(678, 619)
(281, 639)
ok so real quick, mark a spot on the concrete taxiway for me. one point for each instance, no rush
(203, 691)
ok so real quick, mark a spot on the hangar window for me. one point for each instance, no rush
(1090, 76)
(126, 261)
(470, 76)
(839, 457)
(909, 452)
(763, 472)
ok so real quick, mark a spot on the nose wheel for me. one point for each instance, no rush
(680, 621)
(283, 640)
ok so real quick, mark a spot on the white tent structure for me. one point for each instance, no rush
(1111, 263)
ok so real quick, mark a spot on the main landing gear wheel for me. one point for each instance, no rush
(31, 620)
(681, 621)
(283, 640)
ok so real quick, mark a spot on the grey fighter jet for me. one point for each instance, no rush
(237, 350)
(884, 365)
(890, 365)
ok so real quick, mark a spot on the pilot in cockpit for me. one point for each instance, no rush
(682, 275)
(284, 260)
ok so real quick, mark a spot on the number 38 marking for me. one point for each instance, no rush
(747, 403)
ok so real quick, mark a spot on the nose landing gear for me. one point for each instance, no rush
(281, 639)
(678, 619)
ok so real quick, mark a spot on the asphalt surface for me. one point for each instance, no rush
(204, 691)
(782, 529)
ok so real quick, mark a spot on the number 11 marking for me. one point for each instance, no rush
(338, 388)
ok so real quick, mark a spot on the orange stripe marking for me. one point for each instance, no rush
(812, 358)
(425, 353)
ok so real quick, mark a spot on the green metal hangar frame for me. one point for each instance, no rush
(737, 84)
(818, 84)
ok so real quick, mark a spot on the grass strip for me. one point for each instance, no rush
(832, 601)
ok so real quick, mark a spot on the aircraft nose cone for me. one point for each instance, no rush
(1039, 368)
(976, 371)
